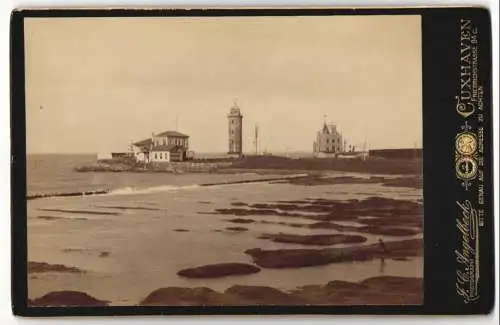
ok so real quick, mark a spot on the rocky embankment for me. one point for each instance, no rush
(370, 165)
(261, 164)
(172, 167)
(382, 290)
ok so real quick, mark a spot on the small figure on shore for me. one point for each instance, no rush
(383, 248)
(382, 265)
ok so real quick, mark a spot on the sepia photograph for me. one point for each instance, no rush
(224, 161)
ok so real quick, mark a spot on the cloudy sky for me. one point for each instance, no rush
(104, 82)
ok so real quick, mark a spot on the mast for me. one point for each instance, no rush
(256, 139)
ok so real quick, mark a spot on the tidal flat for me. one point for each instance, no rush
(341, 238)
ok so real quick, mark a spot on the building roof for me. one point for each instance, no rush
(330, 128)
(168, 147)
(172, 134)
(144, 143)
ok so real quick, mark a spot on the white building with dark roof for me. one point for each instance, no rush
(162, 147)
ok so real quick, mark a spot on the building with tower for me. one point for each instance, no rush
(235, 129)
(329, 142)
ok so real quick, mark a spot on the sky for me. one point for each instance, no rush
(94, 85)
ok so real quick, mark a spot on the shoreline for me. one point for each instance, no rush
(289, 177)
(262, 164)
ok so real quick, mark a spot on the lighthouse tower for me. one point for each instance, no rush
(235, 120)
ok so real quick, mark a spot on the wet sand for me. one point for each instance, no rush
(305, 240)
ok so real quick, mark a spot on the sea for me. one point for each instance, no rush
(135, 238)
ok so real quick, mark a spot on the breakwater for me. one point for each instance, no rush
(64, 194)
(162, 188)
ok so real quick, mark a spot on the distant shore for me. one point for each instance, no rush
(262, 164)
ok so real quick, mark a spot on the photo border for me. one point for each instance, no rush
(440, 83)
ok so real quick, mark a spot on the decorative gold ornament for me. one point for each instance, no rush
(466, 168)
(466, 143)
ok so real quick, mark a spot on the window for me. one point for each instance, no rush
(161, 155)
(156, 157)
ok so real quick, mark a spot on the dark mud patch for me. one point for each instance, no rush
(389, 231)
(254, 212)
(411, 182)
(331, 225)
(178, 296)
(73, 250)
(239, 204)
(82, 212)
(241, 220)
(219, 270)
(320, 240)
(262, 295)
(376, 215)
(283, 223)
(324, 209)
(383, 290)
(295, 258)
(385, 228)
(315, 180)
(120, 207)
(66, 299)
(51, 218)
(237, 228)
(42, 267)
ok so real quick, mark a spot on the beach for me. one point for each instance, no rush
(121, 246)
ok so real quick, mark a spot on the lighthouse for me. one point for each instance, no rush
(235, 128)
